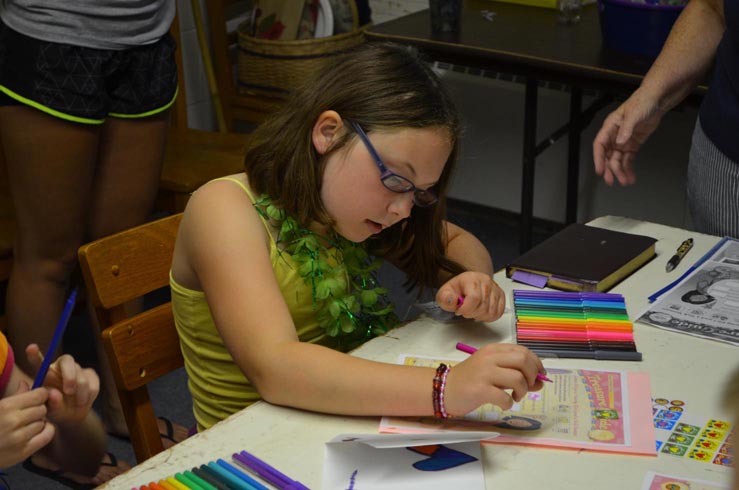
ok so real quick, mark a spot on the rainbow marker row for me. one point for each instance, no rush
(568, 324)
(222, 475)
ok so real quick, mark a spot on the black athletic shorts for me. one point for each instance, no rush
(86, 85)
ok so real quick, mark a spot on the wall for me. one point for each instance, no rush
(200, 113)
(490, 169)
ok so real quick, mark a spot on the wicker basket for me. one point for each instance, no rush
(277, 67)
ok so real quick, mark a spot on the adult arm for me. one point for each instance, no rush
(683, 63)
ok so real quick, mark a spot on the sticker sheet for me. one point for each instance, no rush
(684, 435)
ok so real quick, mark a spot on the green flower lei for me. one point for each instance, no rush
(352, 313)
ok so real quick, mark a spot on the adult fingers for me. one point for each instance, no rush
(616, 166)
(605, 139)
(628, 166)
(603, 143)
(625, 130)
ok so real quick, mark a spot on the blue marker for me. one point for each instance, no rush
(58, 333)
(229, 479)
(240, 474)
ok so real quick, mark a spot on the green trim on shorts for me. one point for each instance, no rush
(149, 113)
(48, 110)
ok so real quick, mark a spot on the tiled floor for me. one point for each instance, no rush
(498, 231)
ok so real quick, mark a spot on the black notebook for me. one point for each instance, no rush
(583, 258)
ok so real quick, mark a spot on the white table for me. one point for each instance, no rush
(678, 365)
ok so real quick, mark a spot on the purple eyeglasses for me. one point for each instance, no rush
(392, 181)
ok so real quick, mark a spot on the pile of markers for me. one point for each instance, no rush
(575, 325)
(222, 475)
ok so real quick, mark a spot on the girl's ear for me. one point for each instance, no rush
(326, 130)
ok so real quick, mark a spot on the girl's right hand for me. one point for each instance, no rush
(486, 375)
(23, 428)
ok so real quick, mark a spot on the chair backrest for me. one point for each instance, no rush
(144, 346)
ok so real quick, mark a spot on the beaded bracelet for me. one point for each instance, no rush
(437, 395)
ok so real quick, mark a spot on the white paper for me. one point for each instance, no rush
(403, 461)
(706, 302)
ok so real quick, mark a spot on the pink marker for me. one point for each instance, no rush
(471, 350)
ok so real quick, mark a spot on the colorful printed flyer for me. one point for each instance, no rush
(581, 409)
(702, 439)
(656, 481)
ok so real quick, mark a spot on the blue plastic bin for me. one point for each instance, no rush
(636, 28)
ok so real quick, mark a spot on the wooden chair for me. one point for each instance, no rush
(251, 105)
(193, 157)
(118, 269)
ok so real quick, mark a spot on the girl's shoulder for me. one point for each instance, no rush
(235, 181)
(228, 199)
(220, 220)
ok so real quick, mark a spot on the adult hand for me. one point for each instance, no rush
(622, 134)
(483, 298)
(72, 389)
(23, 428)
(486, 375)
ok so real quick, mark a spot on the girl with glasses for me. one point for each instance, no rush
(272, 278)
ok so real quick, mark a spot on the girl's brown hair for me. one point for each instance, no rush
(380, 86)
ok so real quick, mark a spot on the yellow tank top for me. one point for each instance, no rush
(217, 385)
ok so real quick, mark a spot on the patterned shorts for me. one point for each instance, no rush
(86, 85)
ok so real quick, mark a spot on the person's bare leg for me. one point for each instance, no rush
(124, 190)
(50, 170)
(128, 172)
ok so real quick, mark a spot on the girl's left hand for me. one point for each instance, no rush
(483, 299)
(72, 389)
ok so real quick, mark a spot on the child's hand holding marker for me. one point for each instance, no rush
(471, 350)
(500, 374)
(473, 295)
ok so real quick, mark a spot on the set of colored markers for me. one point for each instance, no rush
(575, 325)
(222, 475)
